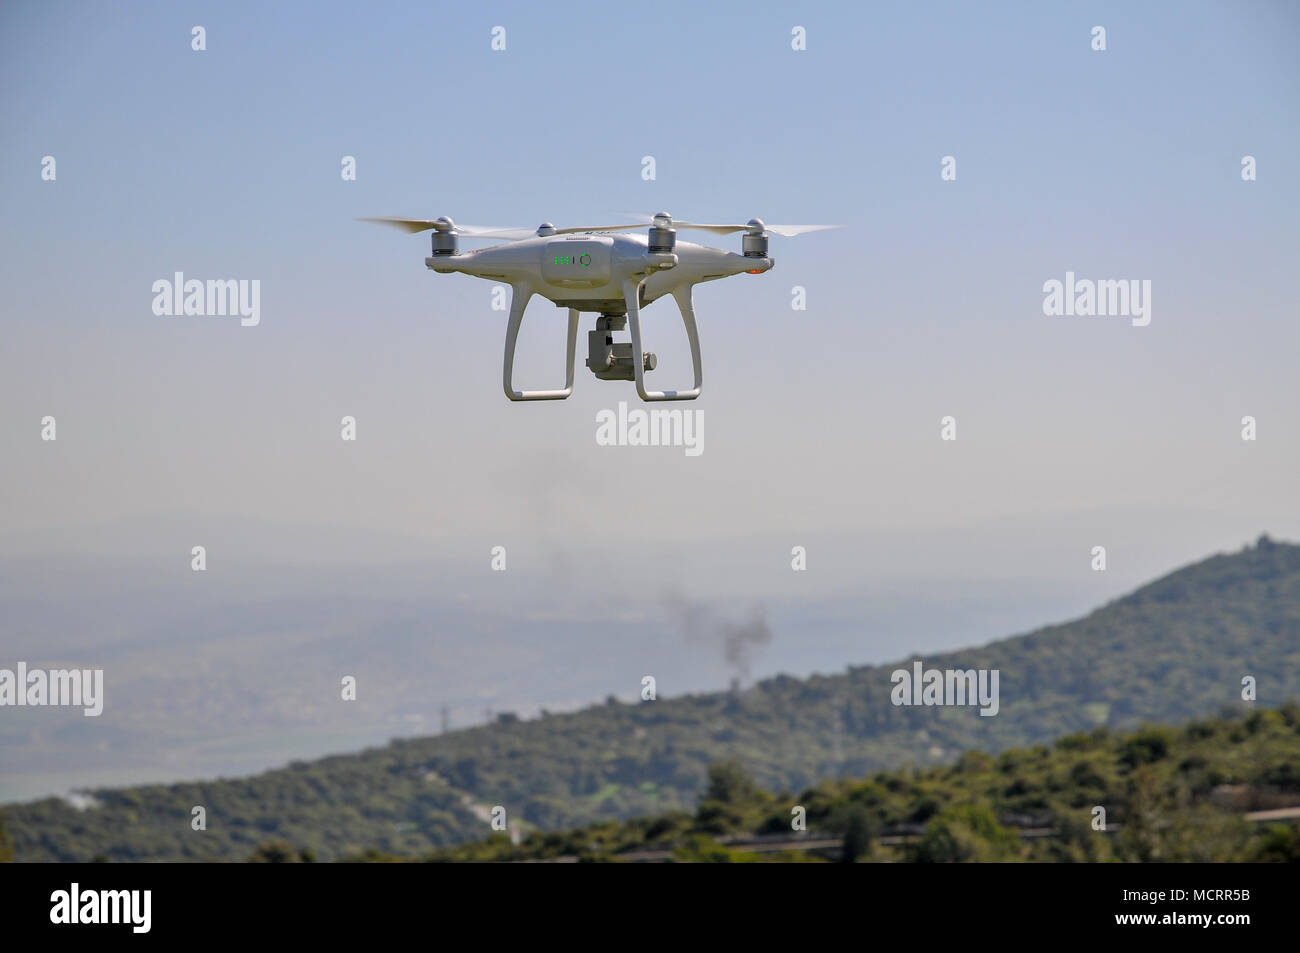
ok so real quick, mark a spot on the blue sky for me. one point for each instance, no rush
(225, 163)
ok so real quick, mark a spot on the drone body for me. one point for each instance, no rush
(605, 271)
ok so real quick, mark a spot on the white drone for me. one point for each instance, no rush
(592, 269)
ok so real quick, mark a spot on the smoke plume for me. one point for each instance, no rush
(739, 641)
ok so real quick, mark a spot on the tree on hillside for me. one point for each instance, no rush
(729, 783)
(1280, 844)
(1146, 820)
(967, 832)
(857, 834)
(730, 793)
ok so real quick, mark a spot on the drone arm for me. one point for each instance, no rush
(682, 294)
(519, 297)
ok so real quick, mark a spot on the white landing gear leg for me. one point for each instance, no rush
(631, 296)
(518, 302)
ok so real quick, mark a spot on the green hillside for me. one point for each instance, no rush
(1175, 650)
(1190, 793)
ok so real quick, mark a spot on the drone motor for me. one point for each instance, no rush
(754, 241)
(445, 238)
(663, 237)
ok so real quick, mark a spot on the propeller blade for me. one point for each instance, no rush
(491, 231)
(647, 219)
(599, 228)
(715, 229)
(407, 224)
(790, 231)
(468, 231)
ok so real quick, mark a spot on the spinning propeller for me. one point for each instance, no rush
(755, 226)
(445, 224)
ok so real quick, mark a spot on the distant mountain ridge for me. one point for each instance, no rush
(1175, 649)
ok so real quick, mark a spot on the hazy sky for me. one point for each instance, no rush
(823, 426)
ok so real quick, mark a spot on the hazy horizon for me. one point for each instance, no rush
(145, 661)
